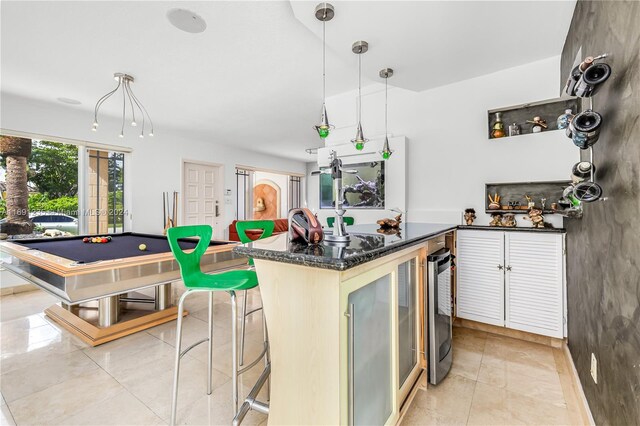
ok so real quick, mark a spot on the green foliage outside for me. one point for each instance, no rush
(41, 203)
(53, 171)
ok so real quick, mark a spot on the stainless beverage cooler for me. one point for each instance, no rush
(438, 345)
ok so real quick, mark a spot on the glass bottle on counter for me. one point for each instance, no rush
(498, 127)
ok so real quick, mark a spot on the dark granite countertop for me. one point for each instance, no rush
(511, 229)
(366, 245)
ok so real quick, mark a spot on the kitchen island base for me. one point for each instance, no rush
(345, 340)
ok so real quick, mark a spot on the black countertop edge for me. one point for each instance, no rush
(311, 260)
(510, 229)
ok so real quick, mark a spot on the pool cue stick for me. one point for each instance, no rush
(175, 208)
(164, 210)
(168, 224)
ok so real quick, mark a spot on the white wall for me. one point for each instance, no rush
(449, 157)
(155, 163)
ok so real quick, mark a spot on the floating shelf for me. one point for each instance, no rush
(548, 110)
(516, 191)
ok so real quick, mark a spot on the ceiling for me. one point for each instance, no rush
(253, 78)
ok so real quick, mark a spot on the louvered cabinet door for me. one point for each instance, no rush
(480, 285)
(534, 283)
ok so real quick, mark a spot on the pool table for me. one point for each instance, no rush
(81, 274)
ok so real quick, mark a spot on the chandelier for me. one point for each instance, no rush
(129, 101)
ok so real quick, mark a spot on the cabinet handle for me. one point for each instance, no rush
(500, 267)
(350, 362)
(508, 268)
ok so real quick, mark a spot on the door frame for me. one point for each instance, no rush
(217, 233)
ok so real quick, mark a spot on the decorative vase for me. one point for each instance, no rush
(498, 127)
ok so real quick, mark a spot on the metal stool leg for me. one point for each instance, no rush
(176, 372)
(210, 352)
(242, 327)
(234, 349)
(267, 357)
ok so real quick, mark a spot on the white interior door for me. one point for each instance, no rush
(480, 266)
(534, 285)
(202, 196)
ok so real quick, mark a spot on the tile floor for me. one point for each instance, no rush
(498, 380)
(48, 376)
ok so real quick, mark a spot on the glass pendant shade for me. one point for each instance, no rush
(359, 140)
(386, 151)
(324, 127)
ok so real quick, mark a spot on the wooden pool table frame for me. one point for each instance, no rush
(73, 284)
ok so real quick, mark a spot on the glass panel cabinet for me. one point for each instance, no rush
(407, 317)
(370, 366)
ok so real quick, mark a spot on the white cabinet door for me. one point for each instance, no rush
(534, 284)
(480, 286)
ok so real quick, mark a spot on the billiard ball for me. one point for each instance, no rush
(85, 240)
(108, 237)
(104, 240)
(142, 247)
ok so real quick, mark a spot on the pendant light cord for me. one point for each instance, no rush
(324, 70)
(386, 91)
(360, 87)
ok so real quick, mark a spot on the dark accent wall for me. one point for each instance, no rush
(603, 249)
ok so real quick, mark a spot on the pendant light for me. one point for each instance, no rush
(386, 151)
(124, 83)
(324, 13)
(359, 47)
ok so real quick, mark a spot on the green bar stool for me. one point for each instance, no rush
(266, 226)
(197, 281)
(348, 220)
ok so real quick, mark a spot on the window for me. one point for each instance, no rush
(105, 179)
(295, 192)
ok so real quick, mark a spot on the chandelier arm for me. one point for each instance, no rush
(124, 108)
(135, 100)
(104, 98)
(127, 88)
(143, 109)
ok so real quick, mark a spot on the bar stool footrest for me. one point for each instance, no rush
(193, 345)
(250, 402)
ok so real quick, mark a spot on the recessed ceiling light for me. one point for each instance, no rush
(186, 20)
(69, 101)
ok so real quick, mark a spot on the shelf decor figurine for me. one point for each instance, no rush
(509, 220)
(514, 129)
(536, 218)
(498, 127)
(387, 223)
(530, 203)
(494, 202)
(538, 124)
(469, 216)
(564, 119)
(496, 219)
